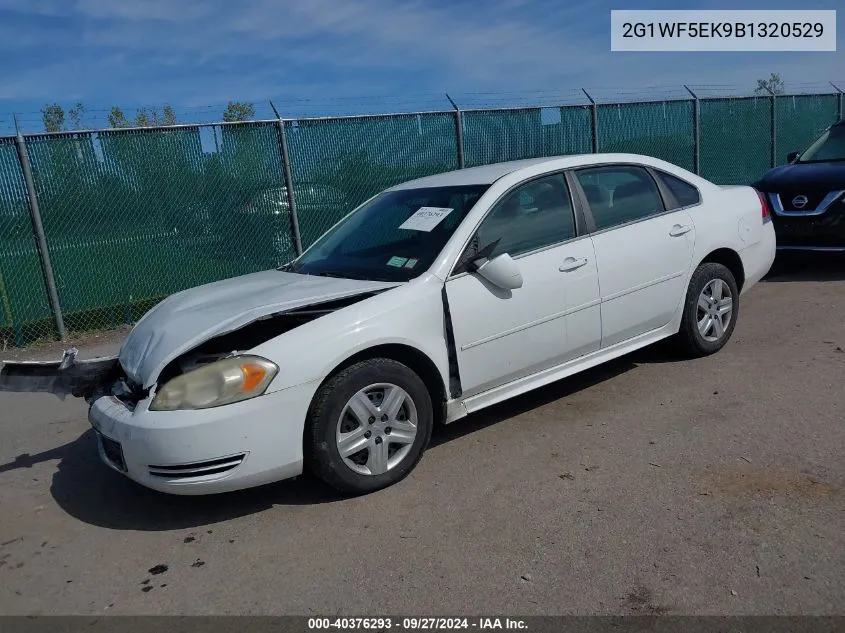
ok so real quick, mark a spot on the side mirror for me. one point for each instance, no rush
(502, 272)
(790, 158)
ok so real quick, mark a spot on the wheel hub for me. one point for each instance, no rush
(715, 310)
(376, 429)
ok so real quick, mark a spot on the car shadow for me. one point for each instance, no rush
(534, 399)
(91, 492)
(809, 266)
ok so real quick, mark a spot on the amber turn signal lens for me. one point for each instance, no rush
(253, 376)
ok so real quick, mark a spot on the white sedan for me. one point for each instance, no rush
(432, 300)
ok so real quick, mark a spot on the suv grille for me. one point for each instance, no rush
(788, 200)
(801, 204)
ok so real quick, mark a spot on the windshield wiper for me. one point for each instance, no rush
(338, 275)
(822, 160)
(326, 273)
(329, 273)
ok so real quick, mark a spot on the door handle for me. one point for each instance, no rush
(572, 263)
(679, 229)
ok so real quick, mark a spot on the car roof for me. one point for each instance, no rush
(488, 174)
(481, 175)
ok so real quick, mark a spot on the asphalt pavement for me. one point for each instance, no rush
(651, 485)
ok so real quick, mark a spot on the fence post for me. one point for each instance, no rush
(595, 121)
(283, 148)
(696, 132)
(38, 232)
(839, 108)
(774, 130)
(459, 132)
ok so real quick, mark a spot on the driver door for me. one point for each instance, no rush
(503, 335)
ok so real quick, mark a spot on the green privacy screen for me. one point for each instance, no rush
(494, 136)
(134, 215)
(339, 163)
(800, 120)
(663, 130)
(736, 139)
(24, 311)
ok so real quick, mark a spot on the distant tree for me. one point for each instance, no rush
(772, 85)
(168, 116)
(77, 114)
(53, 117)
(238, 111)
(116, 118)
(151, 117)
(143, 119)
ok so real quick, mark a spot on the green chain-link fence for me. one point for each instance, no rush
(736, 139)
(131, 216)
(493, 136)
(339, 163)
(663, 130)
(24, 310)
(801, 119)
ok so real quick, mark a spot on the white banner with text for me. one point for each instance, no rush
(766, 30)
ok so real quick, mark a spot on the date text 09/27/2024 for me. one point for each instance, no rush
(414, 623)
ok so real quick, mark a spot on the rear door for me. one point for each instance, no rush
(643, 251)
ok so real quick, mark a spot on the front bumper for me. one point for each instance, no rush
(208, 451)
(823, 232)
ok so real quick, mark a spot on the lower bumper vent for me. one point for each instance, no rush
(113, 452)
(198, 469)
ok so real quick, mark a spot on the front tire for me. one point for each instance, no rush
(368, 426)
(711, 308)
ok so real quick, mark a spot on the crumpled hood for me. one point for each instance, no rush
(188, 318)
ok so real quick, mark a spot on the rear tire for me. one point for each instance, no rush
(710, 311)
(368, 426)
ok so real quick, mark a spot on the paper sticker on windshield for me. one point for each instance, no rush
(425, 219)
(411, 262)
(397, 262)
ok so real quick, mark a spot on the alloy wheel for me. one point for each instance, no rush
(376, 429)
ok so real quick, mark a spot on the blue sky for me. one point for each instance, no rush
(338, 56)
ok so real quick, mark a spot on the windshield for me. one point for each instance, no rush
(394, 237)
(829, 147)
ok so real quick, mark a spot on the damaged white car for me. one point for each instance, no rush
(433, 299)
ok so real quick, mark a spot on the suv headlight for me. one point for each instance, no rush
(222, 382)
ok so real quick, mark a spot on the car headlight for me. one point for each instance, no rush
(222, 382)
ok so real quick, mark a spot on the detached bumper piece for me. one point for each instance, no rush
(67, 377)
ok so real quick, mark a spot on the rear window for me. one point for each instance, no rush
(685, 193)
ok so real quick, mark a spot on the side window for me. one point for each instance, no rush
(686, 194)
(619, 194)
(536, 214)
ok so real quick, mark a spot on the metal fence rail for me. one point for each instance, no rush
(132, 215)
